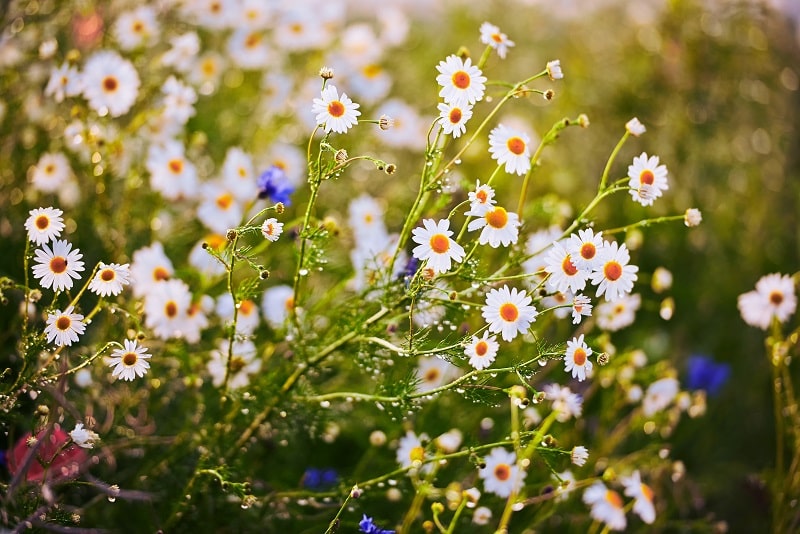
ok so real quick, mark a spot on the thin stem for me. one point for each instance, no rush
(611, 159)
(644, 223)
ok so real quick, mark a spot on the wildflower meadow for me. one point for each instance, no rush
(344, 266)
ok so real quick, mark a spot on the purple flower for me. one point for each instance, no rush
(368, 527)
(315, 478)
(274, 184)
(705, 373)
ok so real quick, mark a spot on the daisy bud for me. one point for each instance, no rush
(341, 156)
(693, 217)
(385, 122)
(549, 94)
(463, 52)
(35, 295)
(377, 438)
(428, 274)
(42, 410)
(264, 274)
(326, 73)
(231, 234)
(602, 358)
(31, 441)
(635, 127)
(390, 169)
(437, 508)
(356, 492)
(48, 49)
(280, 208)
(583, 120)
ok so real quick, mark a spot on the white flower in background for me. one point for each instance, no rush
(250, 49)
(482, 351)
(247, 318)
(576, 360)
(508, 312)
(449, 442)
(434, 372)
(110, 278)
(336, 113)
(212, 14)
(647, 179)
(206, 70)
(501, 475)
(171, 173)
(642, 495)
(492, 36)
(299, 28)
(579, 455)
(499, 227)
(410, 450)
(371, 82)
(635, 127)
(271, 229)
(510, 148)
(408, 129)
(201, 259)
(57, 267)
(150, 267)
(243, 363)
(435, 246)
(554, 70)
(239, 175)
(659, 395)
(454, 119)
(130, 361)
(692, 217)
(773, 298)
(166, 309)
(83, 437)
(613, 276)
(135, 28)
(537, 247)
(276, 304)
(44, 224)
(51, 172)
(565, 402)
(219, 209)
(607, 506)
(183, 52)
(462, 83)
(613, 316)
(255, 14)
(178, 101)
(110, 83)
(64, 328)
(65, 81)
(365, 218)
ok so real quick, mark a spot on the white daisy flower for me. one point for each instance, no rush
(501, 475)
(435, 245)
(51, 172)
(183, 52)
(482, 515)
(138, 27)
(635, 127)
(774, 297)
(607, 506)
(166, 309)
(110, 83)
(642, 495)
(110, 278)
(579, 455)
(613, 316)
(247, 318)
(129, 361)
(510, 148)
(648, 179)
(239, 175)
(201, 259)
(448, 443)
(64, 328)
(581, 306)
(337, 114)
(171, 173)
(564, 274)
(219, 209)
(453, 118)
(250, 49)
(462, 83)
(576, 360)
(276, 304)
(178, 101)
(150, 267)
(659, 395)
(57, 266)
(365, 218)
(613, 276)
(482, 351)
(272, 229)
(482, 199)
(500, 227)
(65, 81)
(537, 247)
(411, 451)
(492, 36)
(566, 403)
(508, 312)
(554, 70)
(243, 364)
(44, 224)
(585, 248)
(83, 437)
(434, 372)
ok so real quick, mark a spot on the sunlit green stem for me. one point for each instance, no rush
(611, 159)
(644, 223)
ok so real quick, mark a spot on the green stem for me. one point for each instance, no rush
(611, 159)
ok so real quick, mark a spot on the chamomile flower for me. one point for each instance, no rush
(576, 360)
(613, 316)
(508, 312)
(219, 209)
(564, 274)
(607, 506)
(166, 309)
(44, 224)
(500, 227)
(433, 372)
(435, 245)
(64, 328)
(411, 451)
(482, 351)
(642, 495)
(271, 229)
(482, 199)
(462, 82)
(171, 172)
(510, 148)
(276, 304)
(581, 306)
(501, 475)
(51, 172)
(774, 297)
(65, 81)
(183, 52)
(634, 127)
(659, 395)
(250, 49)
(492, 36)
(150, 267)
(647, 179)
(585, 248)
(579, 455)
(613, 276)
(57, 267)
(136, 28)
(554, 70)
(110, 83)
(83, 437)
(336, 113)
(244, 363)
(453, 118)
(110, 278)
(566, 404)
(129, 361)
(365, 218)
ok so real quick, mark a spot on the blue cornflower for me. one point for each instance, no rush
(315, 478)
(368, 527)
(705, 373)
(274, 184)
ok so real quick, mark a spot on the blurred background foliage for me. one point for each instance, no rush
(717, 85)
